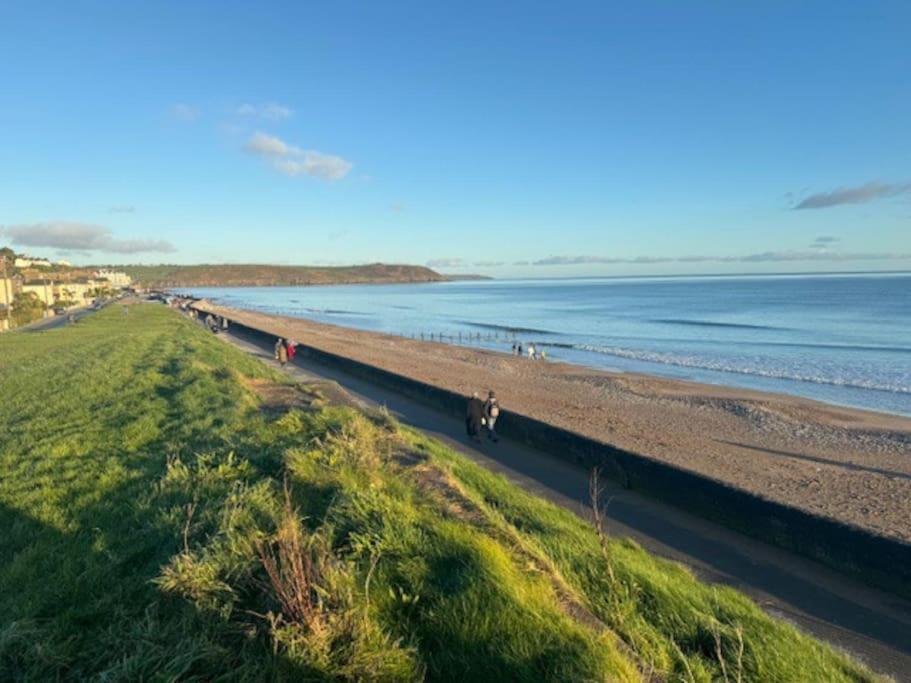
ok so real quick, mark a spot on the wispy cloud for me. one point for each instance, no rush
(83, 237)
(487, 264)
(270, 111)
(853, 195)
(824, 242)
(185, 112)
(761, 257)
(122, 208)
(294, 161)
(445, 263)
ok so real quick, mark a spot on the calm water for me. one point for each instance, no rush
(841, 339)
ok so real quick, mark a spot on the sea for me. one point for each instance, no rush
(842, 339)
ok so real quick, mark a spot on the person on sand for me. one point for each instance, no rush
(491, 413)
(532, 354)
(519, 350)
(474, 417)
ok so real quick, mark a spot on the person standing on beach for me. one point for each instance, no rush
(519, 350)
(474, 417)
(531, 352)
(491, 413)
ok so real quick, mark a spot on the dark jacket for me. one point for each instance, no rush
(475, 409)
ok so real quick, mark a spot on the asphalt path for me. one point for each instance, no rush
(57, 320)
(871, 625)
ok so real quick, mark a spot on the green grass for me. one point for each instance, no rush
(158, 524)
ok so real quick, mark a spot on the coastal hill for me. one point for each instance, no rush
(253, 275)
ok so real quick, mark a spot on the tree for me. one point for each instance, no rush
(27, 307)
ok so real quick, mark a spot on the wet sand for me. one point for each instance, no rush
(850, 465)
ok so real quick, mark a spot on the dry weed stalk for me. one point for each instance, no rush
(293, 571)
(595, 491)
(738, 630)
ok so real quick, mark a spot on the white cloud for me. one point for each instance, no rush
(270, 111)
(762, 257)
(83, 237)
(294, 161)
(446, 263)
(267, 145)
(185, 112)
(122, 208)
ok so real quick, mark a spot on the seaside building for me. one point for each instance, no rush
(80, 292)
(43, 289)
(27, 262)
(117, 279)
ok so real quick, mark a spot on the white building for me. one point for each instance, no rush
(26, 262)
(117, 279)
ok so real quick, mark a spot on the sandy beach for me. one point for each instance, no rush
(846, 464)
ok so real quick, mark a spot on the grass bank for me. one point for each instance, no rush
(173, 509)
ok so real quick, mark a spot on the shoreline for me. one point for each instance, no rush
(840, 463)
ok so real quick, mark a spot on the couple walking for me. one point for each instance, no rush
(285, 351)
(482, 414)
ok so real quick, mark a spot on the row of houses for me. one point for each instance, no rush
(59, 295)
(29, 262)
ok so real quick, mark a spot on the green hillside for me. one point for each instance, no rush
(229, 275)
(173, 509)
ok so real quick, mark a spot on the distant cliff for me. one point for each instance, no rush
(261, 275)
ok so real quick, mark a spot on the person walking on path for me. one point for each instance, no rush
(474, 417)
(279, 344)
(491, 413)
(292, 349)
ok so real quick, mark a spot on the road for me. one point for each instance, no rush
(873, 626)
(56, 321)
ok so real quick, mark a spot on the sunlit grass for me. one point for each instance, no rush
(158, 525)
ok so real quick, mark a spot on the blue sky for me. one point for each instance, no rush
(544, 139)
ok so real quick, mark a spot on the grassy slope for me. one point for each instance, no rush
(205, 275)
(144, 494)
